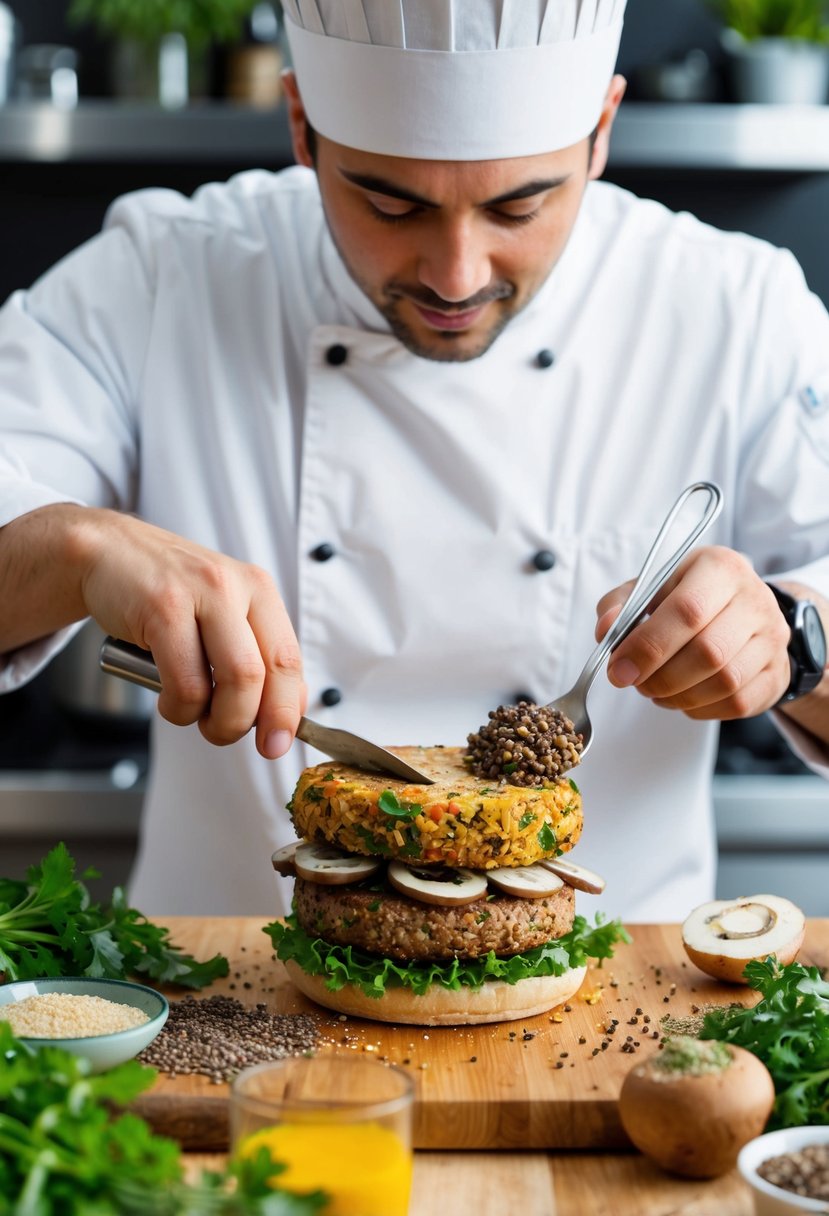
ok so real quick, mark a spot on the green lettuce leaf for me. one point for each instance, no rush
(343, 965)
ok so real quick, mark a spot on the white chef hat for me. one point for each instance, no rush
(454, 79)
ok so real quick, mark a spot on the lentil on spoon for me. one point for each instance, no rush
(524, 744)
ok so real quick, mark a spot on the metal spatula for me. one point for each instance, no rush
(130, 662)
(573, 704)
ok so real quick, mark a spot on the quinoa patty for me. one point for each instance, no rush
(461, 820)
(394, 926)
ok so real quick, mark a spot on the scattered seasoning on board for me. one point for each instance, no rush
(805, 1172)
(67, 1015)
(691, 1024)
(218, 1036)
(524, 744)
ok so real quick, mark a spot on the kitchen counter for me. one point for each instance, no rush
(552, 1182)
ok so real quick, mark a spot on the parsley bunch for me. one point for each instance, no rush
(789, 1030)
(63, 1153)
(50, 926)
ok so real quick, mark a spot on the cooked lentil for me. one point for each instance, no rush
(805, 1172)
(218, 1036)
(527, 744)
(66, 1015)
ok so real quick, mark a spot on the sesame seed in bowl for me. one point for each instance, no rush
(106, 1021)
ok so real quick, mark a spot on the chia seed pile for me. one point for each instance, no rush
(218, 1036)
(805, 1172)
(524, 744)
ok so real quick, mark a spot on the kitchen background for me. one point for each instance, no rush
(77, 129)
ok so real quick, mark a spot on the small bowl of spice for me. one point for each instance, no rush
(107, 1021)
(788, 1171)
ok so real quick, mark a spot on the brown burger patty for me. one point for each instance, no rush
(394, 926)
(460, 820)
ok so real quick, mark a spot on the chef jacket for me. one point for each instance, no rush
(210, 365)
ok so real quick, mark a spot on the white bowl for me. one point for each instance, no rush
(102, 1050)
(773, 1200)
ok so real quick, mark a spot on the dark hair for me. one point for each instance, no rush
(311, 140)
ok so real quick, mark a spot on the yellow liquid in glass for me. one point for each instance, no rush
(364, 1167)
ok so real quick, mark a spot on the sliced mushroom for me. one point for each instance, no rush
(440, 885)
(526, 882)
(574, 876)
(722, 936)
(329, 866)
(283, 859)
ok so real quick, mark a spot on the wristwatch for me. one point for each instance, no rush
(807, 645)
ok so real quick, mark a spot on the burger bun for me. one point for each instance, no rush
(494, 1001)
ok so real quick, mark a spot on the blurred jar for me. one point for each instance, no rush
(7, 41)
(48, 73)
(254, 68)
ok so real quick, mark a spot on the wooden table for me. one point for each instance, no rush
(557, 1182)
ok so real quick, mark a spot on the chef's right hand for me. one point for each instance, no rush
(218, 630)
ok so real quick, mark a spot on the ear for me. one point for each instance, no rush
(601, 148)
(296, 120)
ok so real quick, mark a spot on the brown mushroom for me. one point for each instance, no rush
(693, 1106)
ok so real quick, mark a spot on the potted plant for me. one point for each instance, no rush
(778, 49)
(156, 40)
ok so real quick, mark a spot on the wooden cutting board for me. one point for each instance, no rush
(544, 1082)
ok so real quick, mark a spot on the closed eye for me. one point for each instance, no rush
(392, 217)
(507, 217)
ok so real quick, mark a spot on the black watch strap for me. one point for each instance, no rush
(807, 644)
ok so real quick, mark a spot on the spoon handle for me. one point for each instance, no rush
(645, 588)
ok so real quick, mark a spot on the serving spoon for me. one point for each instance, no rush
(132, 663)
(573, 704)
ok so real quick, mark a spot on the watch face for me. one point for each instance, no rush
(814, 637)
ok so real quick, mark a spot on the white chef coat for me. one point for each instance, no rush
(177, 366)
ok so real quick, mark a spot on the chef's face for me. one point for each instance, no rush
(450, 251)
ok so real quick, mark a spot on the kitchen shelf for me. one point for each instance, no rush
(103, 132)
(647, 135)
(758, 138)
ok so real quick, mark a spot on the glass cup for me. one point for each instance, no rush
(339, 1124)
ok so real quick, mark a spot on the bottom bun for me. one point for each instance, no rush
(495, 1001)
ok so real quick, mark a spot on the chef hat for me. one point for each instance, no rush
(454, 79)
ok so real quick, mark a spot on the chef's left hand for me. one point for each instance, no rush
(714, 644)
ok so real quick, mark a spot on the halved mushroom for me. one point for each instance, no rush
(283, 859)
(439, 885)
(574, 876)
(324, 864)
(526, 882)
(724, 935)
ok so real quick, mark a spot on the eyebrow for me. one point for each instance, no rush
(379, 185)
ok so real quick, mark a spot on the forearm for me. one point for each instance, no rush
(42, 562)
(812, 712)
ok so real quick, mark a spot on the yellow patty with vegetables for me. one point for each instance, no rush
(461, 820)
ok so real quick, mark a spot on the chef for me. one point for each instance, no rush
(382, 438)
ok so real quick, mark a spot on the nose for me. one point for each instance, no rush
(455, 265)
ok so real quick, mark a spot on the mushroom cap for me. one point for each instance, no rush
(722, 936)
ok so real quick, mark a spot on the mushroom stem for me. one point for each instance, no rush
(742, 921)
